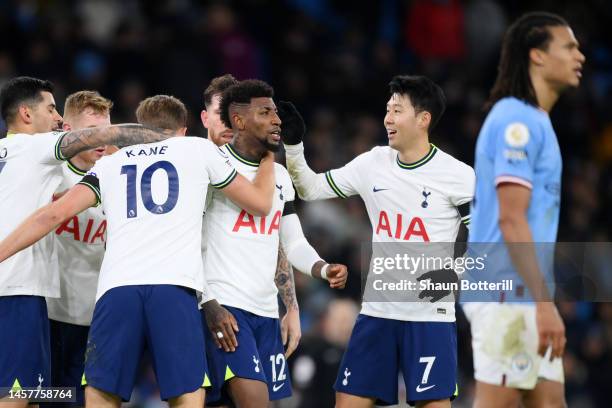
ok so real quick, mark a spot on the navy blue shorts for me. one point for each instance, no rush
(68, 342)
(162, 318)
(24, 342)
(425, 352)
(260, 355)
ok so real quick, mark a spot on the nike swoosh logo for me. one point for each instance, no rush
(376, 190)
(419, 389)
(276, 388)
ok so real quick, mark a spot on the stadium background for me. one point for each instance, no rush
(333, 59)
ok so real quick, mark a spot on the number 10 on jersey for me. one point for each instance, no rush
(131, 173)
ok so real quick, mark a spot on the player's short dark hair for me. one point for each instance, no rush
(217, 86)
(530, 31)
(19, 91)
(162, 112)
(242, 93)
(424, 94)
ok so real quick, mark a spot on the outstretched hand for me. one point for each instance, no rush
(293, 127)
(337, 274)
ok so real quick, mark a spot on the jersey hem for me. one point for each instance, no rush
(69, 321)
(403, 318)
(258, 312)
(101, 292)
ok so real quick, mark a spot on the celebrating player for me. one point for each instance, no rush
(30, 173)
(153, 197)
(80, 249)
(218, 318)
(431, 191)
(518, 179)
(218, 132)
(241, 260)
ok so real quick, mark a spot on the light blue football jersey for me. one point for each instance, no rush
(517, 144)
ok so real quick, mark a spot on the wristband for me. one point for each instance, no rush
(324, 272)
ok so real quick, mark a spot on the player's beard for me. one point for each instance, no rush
(270, 146)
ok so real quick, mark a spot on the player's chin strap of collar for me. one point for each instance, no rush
(10, 134)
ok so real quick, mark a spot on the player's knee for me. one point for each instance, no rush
(344, 400)
(191, 399)
(98, 398)
(550, 401)
(434, 404)
(248, 393)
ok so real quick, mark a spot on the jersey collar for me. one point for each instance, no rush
(75, 169)
(239, 157)
(411, 166)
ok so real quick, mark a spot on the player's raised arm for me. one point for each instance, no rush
(76, 141)
(46, 219)
(309, 185)
(256, 197)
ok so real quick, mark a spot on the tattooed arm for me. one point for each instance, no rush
(290, 324)
(284, 281)
(76, 141)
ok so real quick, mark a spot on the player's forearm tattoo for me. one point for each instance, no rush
(284, 281)
(77, 141)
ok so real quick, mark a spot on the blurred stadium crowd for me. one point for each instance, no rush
(333, 59)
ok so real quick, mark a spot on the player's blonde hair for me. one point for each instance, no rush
(78, 102)
(162, 112)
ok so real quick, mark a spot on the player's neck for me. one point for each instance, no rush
(21, 128)
(546, 95)
(250, 151)
(80, 163)
(415, 150)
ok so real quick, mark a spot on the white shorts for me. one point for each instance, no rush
(505, 346)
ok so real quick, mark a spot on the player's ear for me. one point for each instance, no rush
(204, 118)
(66, 127)
(237, 119)
(24, 113)
(536, 56)
(424, 119)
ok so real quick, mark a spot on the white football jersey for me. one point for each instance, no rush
(408, 202)
(80, 249)
(241, 249)
(30, 173)
(153, 197)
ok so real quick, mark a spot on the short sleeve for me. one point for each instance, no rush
(92, 181)
(45, 147)
(346, 180)
(517, 147)
(220, 170)
(288, 189)
(462, 192)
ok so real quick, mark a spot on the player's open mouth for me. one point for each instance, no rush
(276, 135)
(391, 132)
(227, 134)
(100, 150)
(578, 72)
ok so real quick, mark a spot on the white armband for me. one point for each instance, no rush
(300, 254)
(309, 185)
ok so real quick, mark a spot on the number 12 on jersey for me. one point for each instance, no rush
(131, 173)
